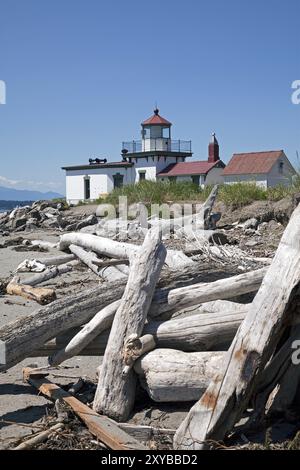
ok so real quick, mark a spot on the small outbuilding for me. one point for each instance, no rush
(265, 169)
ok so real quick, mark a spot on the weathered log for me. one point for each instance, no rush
(41, 243)
(110, 262)
(200, 221)
(89, 258)
(178, 299)
(18, 339)
(229, 392)
(289, 380)
(86, 257)
(49, 273)
(206, 331)
(41, 295)
(105, 429)
(57, 260)
(276, 374)
(115, 392)
(175, 376)
(21, 337)
(112, 249)
(101, 321)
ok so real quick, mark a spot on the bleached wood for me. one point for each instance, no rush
(30, 332)
(49, 273)
(229, 392)
(56, 260)
(275, 374)
(110, 262)
(199, 332)
(101, 321)
(113, 249)
(115, 393)
(169, 375)
(181, 298)
(89, 258)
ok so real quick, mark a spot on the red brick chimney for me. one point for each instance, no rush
(213, 150)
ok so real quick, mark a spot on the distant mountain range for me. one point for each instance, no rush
(10, 194)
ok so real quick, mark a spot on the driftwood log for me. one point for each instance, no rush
(169, 375)
(230, 390)
(201, 332)
(200, 221)
(27, 334)
(115, 392)
(112, 249)
(49, 273)
(90, 259)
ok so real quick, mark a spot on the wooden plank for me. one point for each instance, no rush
(106, 430)
(229, 393)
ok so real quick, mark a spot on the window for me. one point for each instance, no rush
(166, 132)
(142, 175)
(196, 179)
(118, 180)
(87, 188)
(280, 167)
(172, 179)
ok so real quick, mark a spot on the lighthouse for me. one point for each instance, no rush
(156, 149)
(156, 133)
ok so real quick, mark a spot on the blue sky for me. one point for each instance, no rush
(82, 74)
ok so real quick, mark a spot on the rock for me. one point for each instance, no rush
(50, 212)
(90, 220)
(19, 212)
(249, 231)
(250, 224)
(35, 214)
(31, 224)
(51, 223)
(251, 243)
(16, 223)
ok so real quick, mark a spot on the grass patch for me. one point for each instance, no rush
(158, 192)
(234, 195)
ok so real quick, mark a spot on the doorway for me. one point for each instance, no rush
(87, 188)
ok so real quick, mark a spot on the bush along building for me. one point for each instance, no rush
(155, 156)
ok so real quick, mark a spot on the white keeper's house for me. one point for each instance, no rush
(155, 157)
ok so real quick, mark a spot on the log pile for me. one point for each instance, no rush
(180, 341)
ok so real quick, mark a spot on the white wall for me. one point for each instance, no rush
(259, 180)
(151, 167)
(101, 182)
(162, 144)
(285, 178)
(214, 176)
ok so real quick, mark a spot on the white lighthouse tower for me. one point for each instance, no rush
(156, 150)
(156, 133)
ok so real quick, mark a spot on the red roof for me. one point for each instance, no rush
(252, 163)
(156, 119)
(188, 168)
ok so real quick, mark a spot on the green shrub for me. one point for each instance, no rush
(241, 194)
